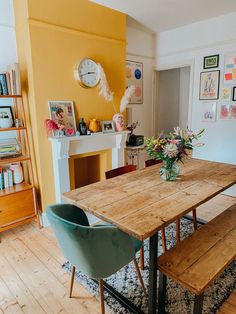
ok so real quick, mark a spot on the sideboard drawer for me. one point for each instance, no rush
(16, 207)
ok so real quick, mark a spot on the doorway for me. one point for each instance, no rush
(172, 105)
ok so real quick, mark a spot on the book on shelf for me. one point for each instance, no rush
(10, 80)
(10, 148)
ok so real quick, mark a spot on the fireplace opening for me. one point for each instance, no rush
(88, 168)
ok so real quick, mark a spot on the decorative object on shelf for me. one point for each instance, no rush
(234, 93)
(211, 62)
(69, 132)
(108, 127)
(17, 173)
(6, 117)
(132, 139)
(87, 73)
(134, 76)
(209, 111)
(171, 148)
(226, 94)
(18, 123)
(94, 125)
(209, 85)
(82, 127)
(230, 68)
(62, 113)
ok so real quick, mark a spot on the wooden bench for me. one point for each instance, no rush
(199, 259)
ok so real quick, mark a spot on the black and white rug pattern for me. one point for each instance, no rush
(179, 300)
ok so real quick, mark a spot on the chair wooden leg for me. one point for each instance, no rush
(163, 239)
(140, 276)
(194, 211)
(142, 258)
(72, 281)
(178, 230)
(101, 288)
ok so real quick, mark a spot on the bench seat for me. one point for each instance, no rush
(200, 258)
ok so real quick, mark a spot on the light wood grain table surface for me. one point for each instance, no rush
(140, 203)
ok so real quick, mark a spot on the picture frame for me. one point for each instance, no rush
(211, 62)
(62, 113)
(209, 111)
(234, 94)
(6, 111)
(134, 76)
(226, 94)
(108, 126)
(209, 85)
(230, 68)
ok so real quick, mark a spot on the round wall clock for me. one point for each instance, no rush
(87, 73)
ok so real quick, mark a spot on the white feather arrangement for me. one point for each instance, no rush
(104, 86)
(126, 98)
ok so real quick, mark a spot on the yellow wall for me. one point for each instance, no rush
(52, 36)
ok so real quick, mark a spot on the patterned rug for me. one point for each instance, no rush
(179, 300)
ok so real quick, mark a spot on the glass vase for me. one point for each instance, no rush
(169, 171)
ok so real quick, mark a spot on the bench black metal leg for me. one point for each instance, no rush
(198, 303)
(153, 243)
(162, 293)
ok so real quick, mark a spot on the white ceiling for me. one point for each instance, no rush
(161, 15)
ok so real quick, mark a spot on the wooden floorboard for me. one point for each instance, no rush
(32, 280)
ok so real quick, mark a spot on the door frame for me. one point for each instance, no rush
(171, 66)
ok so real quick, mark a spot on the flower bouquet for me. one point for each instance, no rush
(171, 148)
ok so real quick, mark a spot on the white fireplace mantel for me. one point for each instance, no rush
(64, 147)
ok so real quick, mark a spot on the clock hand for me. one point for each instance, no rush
(86, 73)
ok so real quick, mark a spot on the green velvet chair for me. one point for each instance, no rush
(97, 251)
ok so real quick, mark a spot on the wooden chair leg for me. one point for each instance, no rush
(142, 258)
(140, 276)
(101, 288)
(178, 230)
(72, 280)
(194, 211)
(163, 239)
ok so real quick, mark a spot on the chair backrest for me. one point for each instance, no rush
(97, 251)
(152, 162)
(119, 171)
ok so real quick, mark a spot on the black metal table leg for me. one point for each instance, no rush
(198, 303)
(152, 301)
(162, 293)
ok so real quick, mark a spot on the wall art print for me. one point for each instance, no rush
(209, 111)
(209, 85)
(134, 76)
(230, 68)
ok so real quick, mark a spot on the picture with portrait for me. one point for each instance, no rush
(62, 113)
(209, 85)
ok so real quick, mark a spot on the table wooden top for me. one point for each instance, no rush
(140, 203)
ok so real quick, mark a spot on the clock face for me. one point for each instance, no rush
(87, 73)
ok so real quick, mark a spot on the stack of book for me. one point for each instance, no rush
(6, 178)
(10, 81)
(9, 148)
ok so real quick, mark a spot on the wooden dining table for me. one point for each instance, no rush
(140, 203)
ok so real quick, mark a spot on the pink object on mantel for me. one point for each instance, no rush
(17, 173)
(118, 119)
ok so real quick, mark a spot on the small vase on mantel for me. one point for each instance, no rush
(169, 170)
(118, 119)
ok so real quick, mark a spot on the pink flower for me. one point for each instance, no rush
(174, 141)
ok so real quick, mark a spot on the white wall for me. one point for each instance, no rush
(140, 47)
(187, 46)
(184, 85)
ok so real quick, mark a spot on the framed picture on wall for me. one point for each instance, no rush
(108, 126)
(209, 85)
(226, 94)
(234, 93)
(134, 76)
(209, 112)
(62, 113)
(211, 62)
